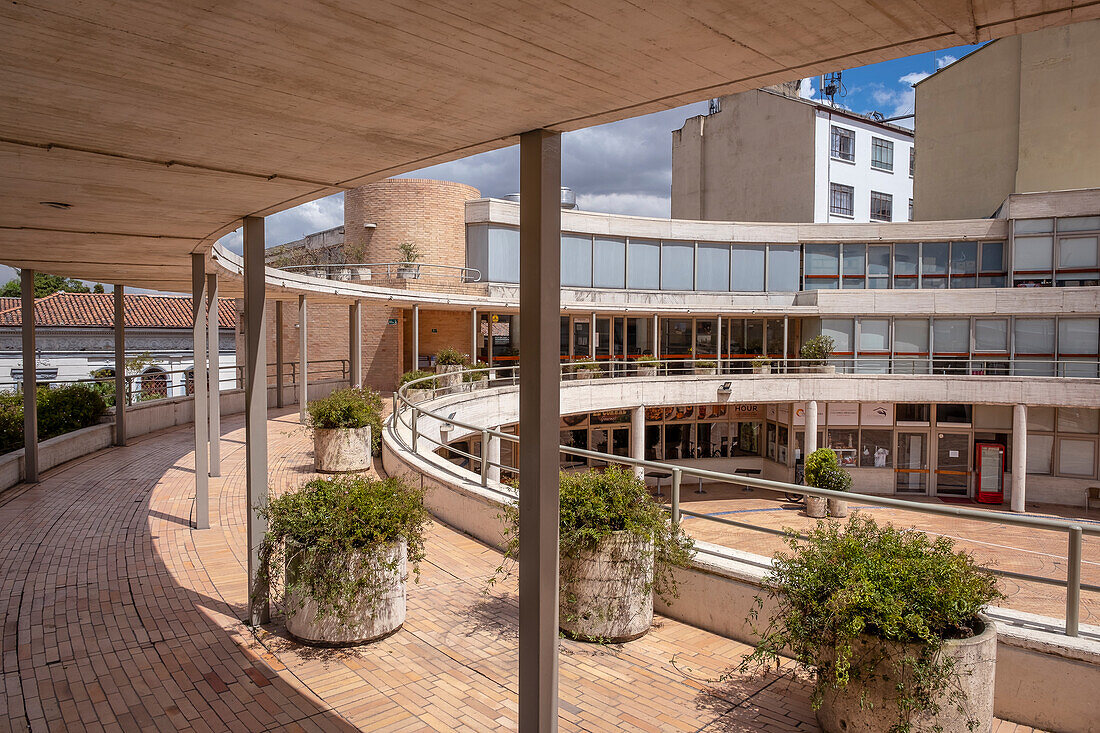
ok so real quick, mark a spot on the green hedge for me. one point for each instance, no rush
(60, 410)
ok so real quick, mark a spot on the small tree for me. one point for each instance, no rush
(410, 252)
(818, 350)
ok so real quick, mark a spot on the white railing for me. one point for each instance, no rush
(354, 272)
(408, 413)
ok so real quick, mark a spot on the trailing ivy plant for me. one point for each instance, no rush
(349, 408)
(818, 350)
(861, 582)
(451, 357)
(336, 531)
(594, 505)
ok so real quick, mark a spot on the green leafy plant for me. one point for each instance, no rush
(336, 530)
(428, 377)
(60, 410)
(349, 408)
(846, 584)
(646, 359)
(596, 504)
(451, 357)
(705, 364)
(823, 471)
(760, 362)
(818, 350)
(410, 252)
(475, 373)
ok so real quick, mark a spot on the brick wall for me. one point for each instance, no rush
(438, 330)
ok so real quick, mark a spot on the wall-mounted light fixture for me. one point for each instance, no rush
(726, 388)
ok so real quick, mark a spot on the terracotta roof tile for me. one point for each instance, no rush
(96, 310)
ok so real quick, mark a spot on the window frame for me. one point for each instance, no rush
(842, 133)
(838, 189)
(889, 199)
(879, 162)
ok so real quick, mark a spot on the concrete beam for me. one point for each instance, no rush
(255, 415)
(30, 380)
(539, 382)
(201, 399)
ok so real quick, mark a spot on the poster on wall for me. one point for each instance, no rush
(843, 413)
(771, 412)
(876, 413)
(799, 413)
(783, 414)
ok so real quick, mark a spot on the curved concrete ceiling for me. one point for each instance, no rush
(161, 124)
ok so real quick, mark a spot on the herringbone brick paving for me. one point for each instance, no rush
(118, 616)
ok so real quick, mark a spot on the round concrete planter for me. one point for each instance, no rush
(838, 508)
(827, 369)
(815, 507)
(705, 371)
(586, 374)
(647, 370)
(448, 377)
(419, 395)
(341, 450)
(607, 594)
(475, 385)
(868, 706)
(762, 369)
(366, 621)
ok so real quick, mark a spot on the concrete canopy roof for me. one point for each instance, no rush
(163, 123)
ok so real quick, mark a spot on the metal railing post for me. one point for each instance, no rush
(676, 475)
(415, 412)
(1073, 582)
(484, 457)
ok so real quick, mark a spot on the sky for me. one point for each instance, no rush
(622, 167)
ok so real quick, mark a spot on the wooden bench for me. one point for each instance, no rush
(1092, 494)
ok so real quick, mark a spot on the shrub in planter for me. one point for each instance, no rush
(761, 365)
(889, 622)
(705, 367)
(410, 253)
(336, 555)
(477, 375)
(823, 471)
(60, 410)
(817, 351)
(347, 429)
(647, 365)
(617, 548)
(422, 390)
(448, 364)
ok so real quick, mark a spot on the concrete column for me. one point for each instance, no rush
(303, 358)
(492, 454)
(1019, 458)
(255, 414)
(416, 337)
(355, 343)
(473, 335)
(120, 365)
(637, 438)
(213, 344)
(200, 399)
(811, 428)
(718, 344)
(592, 337)
(280, 371)
(30, 380)
(539, 418)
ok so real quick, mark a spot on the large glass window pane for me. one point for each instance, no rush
(878, 266)
(994, 268)
(748, 267)
(854, 263)
(876, 448)
(775, 337)
(576, 260)
(609, 263)
(882, 154)
(638, 337)
(1032, 226)
(1077, 261)
(911, 336)
(991, 334)
(477, 251)
(906, 264)
(882, 206)
(874, 334)
(913, 413)
(954, 414)
(964, 264)
(841, 199)
(1033, 254)
(503, 255)
(951, 335)
(843, 143)
(677, 265)
(1079, 224)
(934, 263)
(1035, 336)
(712, 268)
(1078, 336)
(1040, 418)
(1078, 420)
(644, 264)
(706, 343)
(1039, 449)
(822, 266)
(841, 330)
(1076, 457)
(783, 267)
(676, 338)
(754, 336)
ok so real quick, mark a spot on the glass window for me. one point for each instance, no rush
(1040, 418)
(1035, 336)
(747, 439)
(1077, 261)
(609, 263)
(954, 414)
(1078, 420)
(503, 255)
(754, 336)
(1033, 254)
(912, 160)
(637, 336)
(841, 199)
(911, 413)
(854, 263)
(712, 267)
(882, 154)
(993, 265)
(882, 206)
(964, 264)
(676, 338)
(774, 335)
(841, 330)
(1039, 449)
(677, 265)
(845, 442)
(576, 260)
(910, 218)
(875, 449)
(822, 266)
(906, 264)
(747, 267)
(878, 266)
(993, 417)
(783, 268)
(934, 263)
(678, 441)
(1076, 457)
(951, 336)
(991, 334)
(706, 345)
(1078, 336)
(1032, 226)
(874, 334)
(1078, 224)
(843, 143)
(911, 336)
(643, 264)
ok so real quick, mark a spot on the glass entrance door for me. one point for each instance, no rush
(911, 468)
(952, 464)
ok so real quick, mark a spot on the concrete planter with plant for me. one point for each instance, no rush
(336, 557)
(449, 364)
(889, 624)
(617, 549)
(410, 254)
(346, 426)
(705, 367)
(816, 353)
(761, 365)
(476, 377)
(425, 386)
(646, 366)
(823, 471)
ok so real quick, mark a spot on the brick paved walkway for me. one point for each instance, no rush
(118, 616)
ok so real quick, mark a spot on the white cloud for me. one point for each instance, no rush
(631, 204)
(914, 77)
(807, 89)
(945, 60)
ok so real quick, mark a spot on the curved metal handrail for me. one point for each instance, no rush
(393, 269)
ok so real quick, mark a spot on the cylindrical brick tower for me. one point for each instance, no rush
(429, 214)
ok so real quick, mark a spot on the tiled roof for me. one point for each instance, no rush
(96, 310)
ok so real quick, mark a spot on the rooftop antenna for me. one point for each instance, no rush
(832, 85)
(715, 106)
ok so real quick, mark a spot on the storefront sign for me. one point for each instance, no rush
(876, 413)
(771, 412)
(799, 414)
(843, 413)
